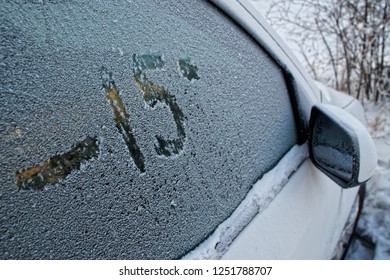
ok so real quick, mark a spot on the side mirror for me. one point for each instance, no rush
(340, 146)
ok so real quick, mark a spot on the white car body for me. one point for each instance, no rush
(163, 130)
(306, 219)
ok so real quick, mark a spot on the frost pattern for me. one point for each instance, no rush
(256, 201)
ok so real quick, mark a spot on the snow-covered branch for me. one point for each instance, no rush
(351, 39)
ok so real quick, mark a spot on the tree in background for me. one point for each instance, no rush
(344, 43)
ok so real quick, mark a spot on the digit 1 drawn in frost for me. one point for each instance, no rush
(122, 118)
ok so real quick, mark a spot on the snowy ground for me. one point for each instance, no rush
(373, 231)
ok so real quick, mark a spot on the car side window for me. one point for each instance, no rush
(130, 129)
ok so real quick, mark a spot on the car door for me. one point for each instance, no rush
(134, 130)
(307, 217)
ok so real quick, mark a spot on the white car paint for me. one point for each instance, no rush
(367, 151)
(342, 100)
(256, 201)
(306, 219)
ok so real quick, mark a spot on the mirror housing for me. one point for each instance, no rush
(340, 146)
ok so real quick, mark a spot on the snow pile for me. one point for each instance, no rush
(373, 229)
(257, 199)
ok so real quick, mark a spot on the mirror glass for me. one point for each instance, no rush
(333, 147)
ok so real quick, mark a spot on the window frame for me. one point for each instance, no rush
(301, 88)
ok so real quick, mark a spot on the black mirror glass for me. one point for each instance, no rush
(332, 148)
